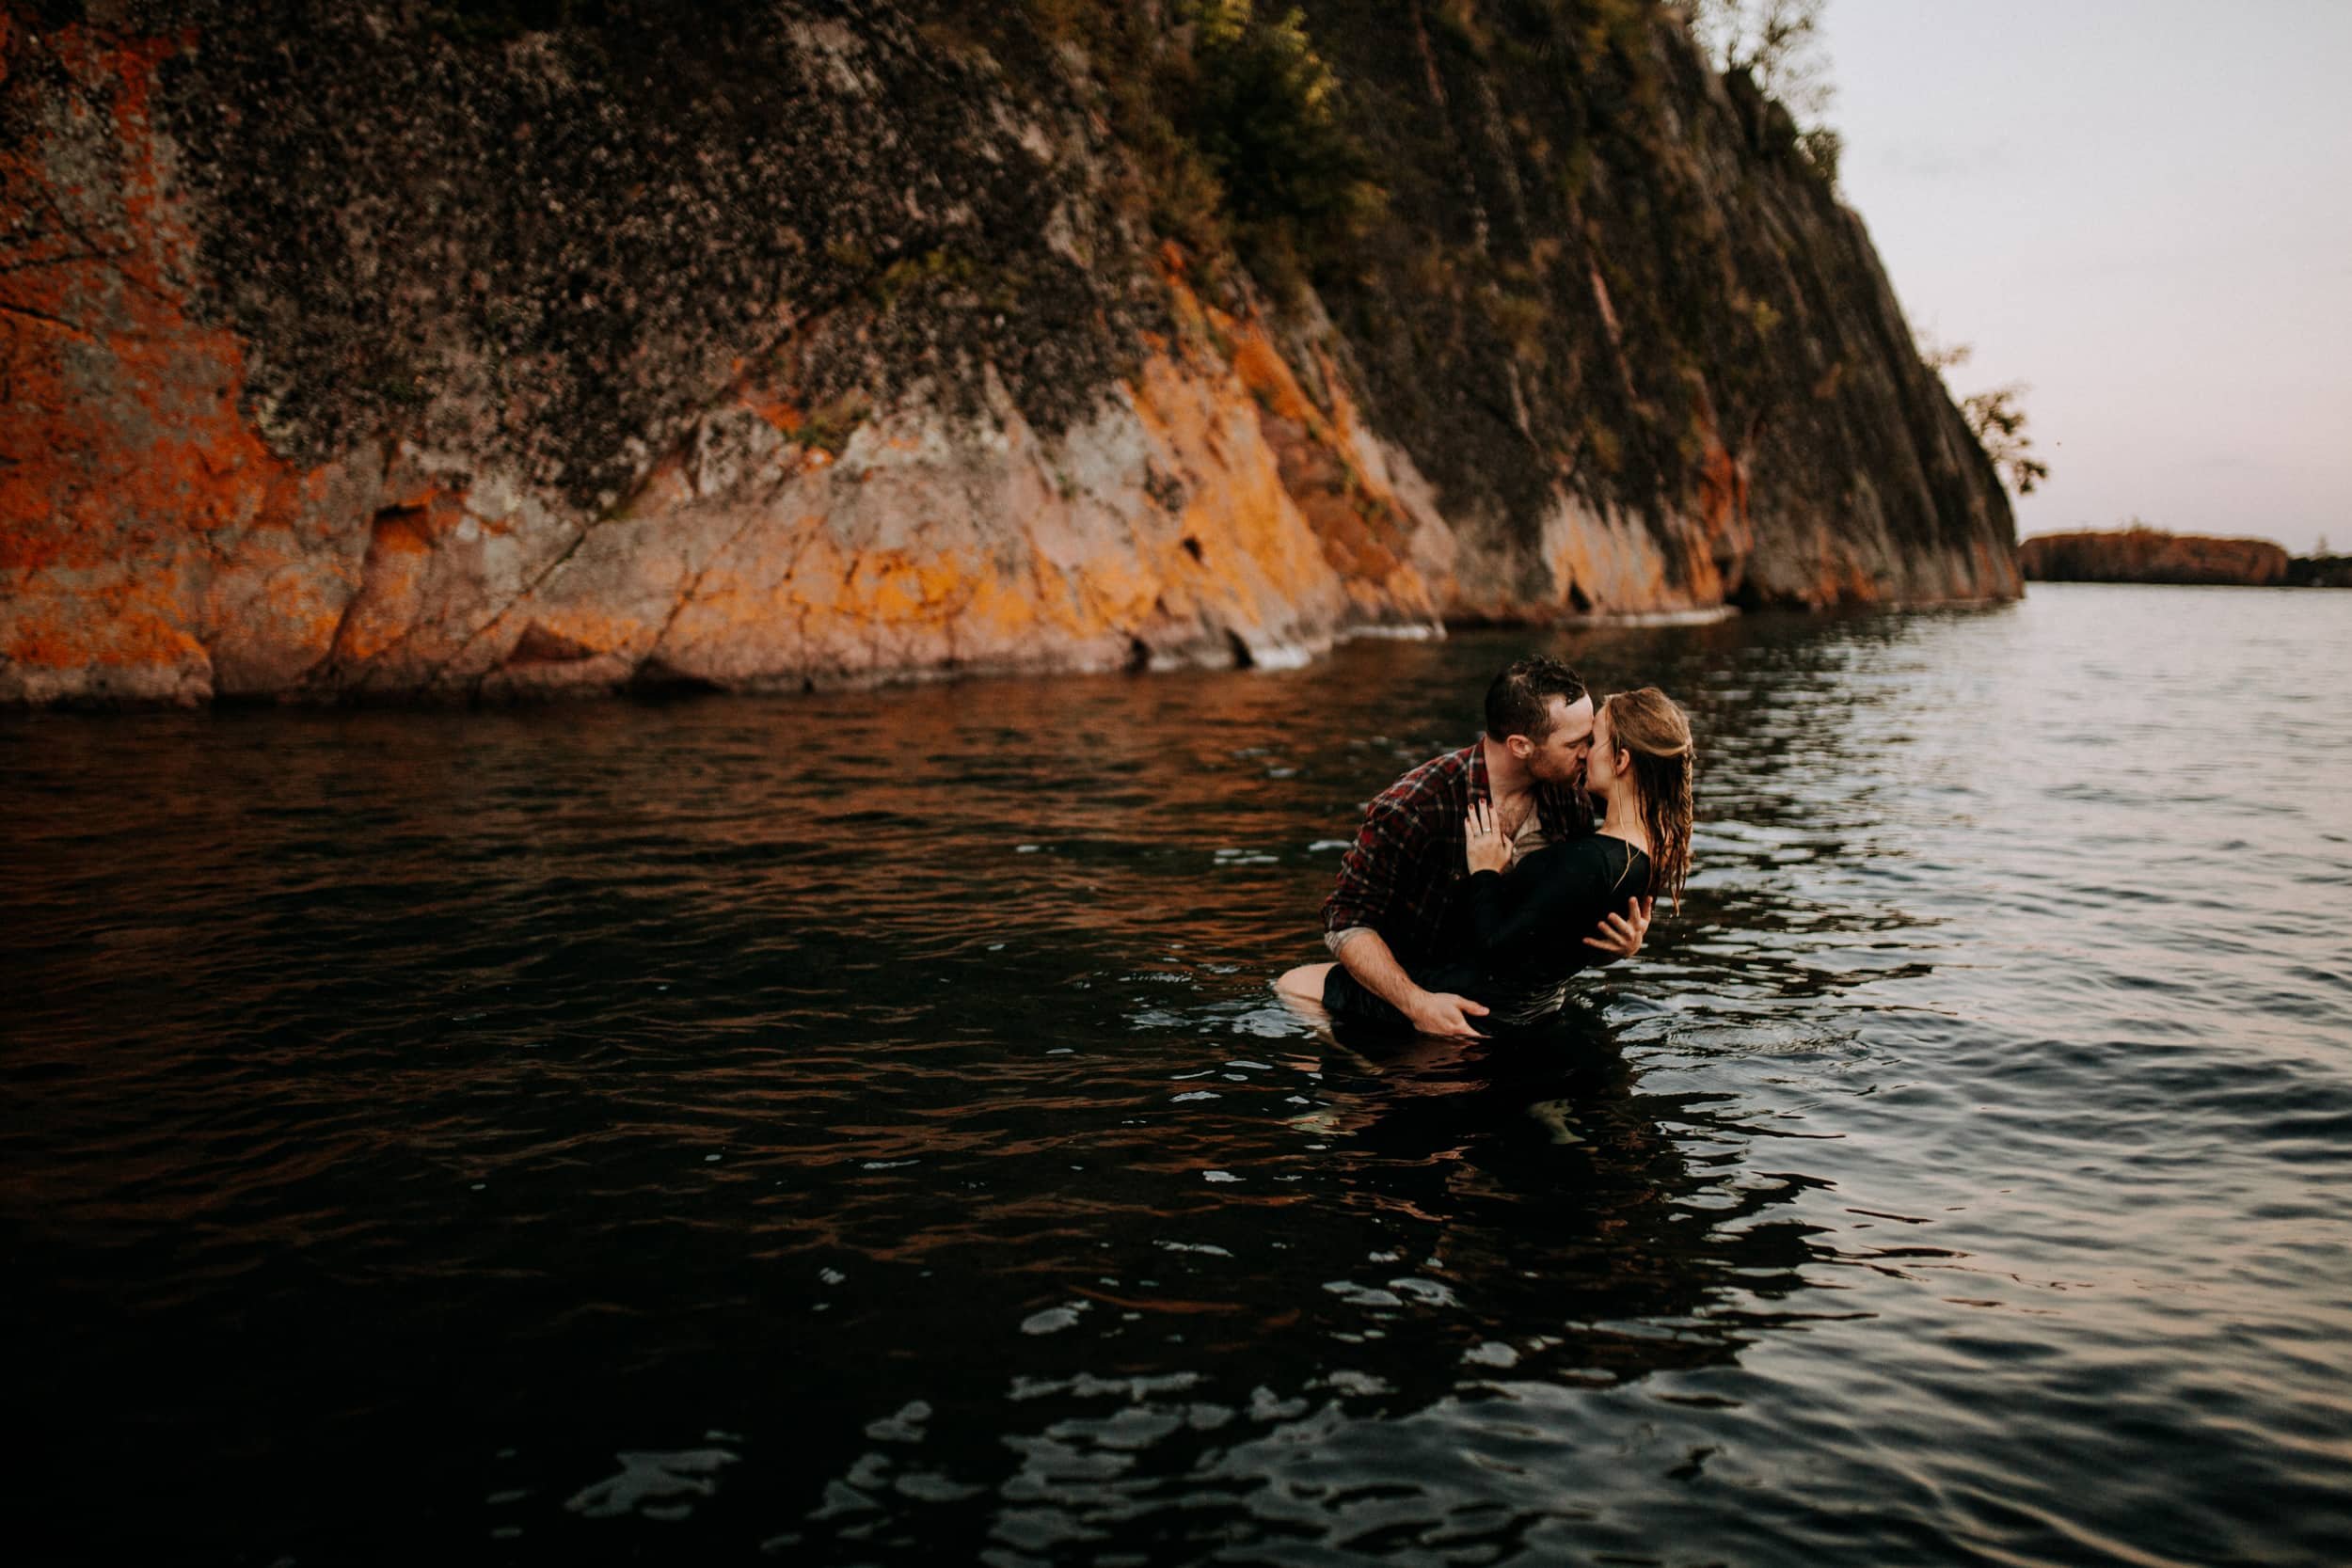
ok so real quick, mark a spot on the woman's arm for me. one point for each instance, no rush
(1555, 895)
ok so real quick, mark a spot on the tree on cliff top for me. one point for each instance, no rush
(1998, 421)
(1777, 42)
(1777, 46)
(1996, 416)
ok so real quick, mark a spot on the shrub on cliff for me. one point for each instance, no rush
(1998, 421)
(1775, 47)
(1261, 106)
(1235, 126)
(1997, 418)
(1777, 42)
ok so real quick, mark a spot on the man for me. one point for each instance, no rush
(1393, 909)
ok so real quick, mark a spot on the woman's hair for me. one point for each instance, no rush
(1649, 724)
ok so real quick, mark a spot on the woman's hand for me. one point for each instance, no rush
(1483, 840)
(1620, 935)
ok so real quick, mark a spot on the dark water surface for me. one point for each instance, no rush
(857, 1129)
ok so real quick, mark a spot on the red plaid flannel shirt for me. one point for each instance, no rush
(1401, 874)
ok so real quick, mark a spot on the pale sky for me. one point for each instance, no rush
(2143, 208)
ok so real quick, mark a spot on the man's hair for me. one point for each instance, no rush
(1519, 700)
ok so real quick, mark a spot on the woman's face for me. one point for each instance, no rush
(1604, 768)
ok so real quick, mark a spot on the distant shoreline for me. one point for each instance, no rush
(2145, 555)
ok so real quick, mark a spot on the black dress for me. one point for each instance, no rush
(1523, 935)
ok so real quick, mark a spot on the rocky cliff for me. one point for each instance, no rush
(2148, 555)
(519, 346)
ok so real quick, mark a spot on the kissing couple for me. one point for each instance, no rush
(1484, 879)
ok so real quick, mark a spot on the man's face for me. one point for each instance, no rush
(1559, 757)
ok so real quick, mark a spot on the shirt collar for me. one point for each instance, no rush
(1557, 809)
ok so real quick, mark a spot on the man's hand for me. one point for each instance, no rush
(1366, 956)
(1440, 1012)
(1620, 935)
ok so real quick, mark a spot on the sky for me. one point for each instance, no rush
(2143, 210)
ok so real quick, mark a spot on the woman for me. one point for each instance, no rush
(1521, 930)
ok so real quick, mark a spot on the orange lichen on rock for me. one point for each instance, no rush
(396, 577)
(1249, 547)
(1366, 532)
(788, 418)
(1728, 532)
(124, 461)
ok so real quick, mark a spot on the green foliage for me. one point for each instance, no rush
(1776, 45)
(1233, 123)
(1998, 417)
(1821, 148)
(828, 428)
(1940, 356)
(1262, 108)
(1521, 320)
(1145, 69)
(932, 269)
(1777, 42)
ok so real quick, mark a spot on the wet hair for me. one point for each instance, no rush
(1519, 700)
(1647, 724)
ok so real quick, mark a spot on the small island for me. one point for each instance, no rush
(2141, 554)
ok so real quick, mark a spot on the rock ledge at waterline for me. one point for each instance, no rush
(350, 352)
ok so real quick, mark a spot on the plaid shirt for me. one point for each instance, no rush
(1401, 874)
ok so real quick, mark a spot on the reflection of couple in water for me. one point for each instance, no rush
(1481, 882)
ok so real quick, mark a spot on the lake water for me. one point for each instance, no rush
(857, 1128)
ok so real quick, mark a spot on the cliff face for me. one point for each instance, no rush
(2146, 555)
(472, 351)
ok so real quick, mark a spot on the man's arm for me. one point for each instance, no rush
(1396, 831)
(1364, 953)
(1366, 888)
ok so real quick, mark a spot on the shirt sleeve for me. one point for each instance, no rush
(1392, 835)
(1334, 940)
